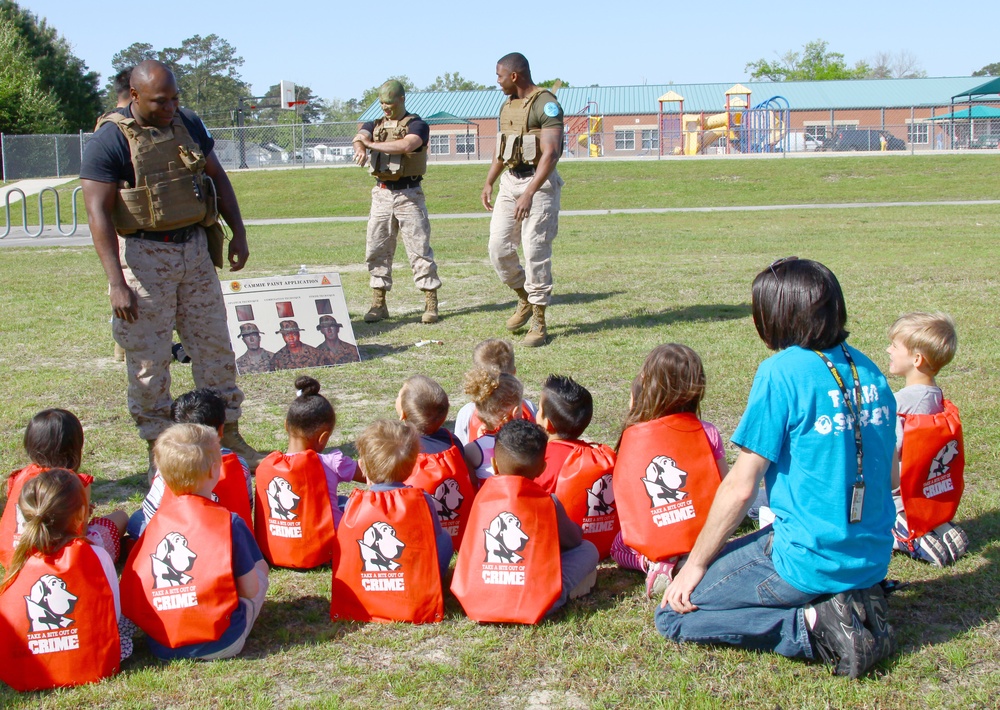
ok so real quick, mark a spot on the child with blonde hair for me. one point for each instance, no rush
(297, 507)
(665, 454)
(54, 439)
(196, 580)
(492, 353)
(393, 551)
(931, 456)
(67, 586)
(441, 469)
(497, 398)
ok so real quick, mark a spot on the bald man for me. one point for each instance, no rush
(526, 212)
(395, 149)
(159, 271)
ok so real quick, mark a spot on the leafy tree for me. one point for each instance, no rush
(25, 105)
(207, 76)
(125, 59)
(989, 70)
(902, 65)
(371, 95)
(813, 63)
(455, 82)
(549, 83)
(338, 110)
(61, 74)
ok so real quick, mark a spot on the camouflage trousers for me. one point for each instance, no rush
(534, 234)
(395, 213)
(176, 286)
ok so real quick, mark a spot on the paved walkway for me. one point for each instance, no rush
(50, 237)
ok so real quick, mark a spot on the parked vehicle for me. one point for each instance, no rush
(862, 139)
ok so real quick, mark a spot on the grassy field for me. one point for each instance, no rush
(623, 285)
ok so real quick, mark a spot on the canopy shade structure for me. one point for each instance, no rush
(990, 87)
(967, 113)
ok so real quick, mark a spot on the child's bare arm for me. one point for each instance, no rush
(248, 585)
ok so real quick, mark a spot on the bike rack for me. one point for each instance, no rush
(41, 213)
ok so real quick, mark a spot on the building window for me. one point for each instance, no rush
(624, 140)
(440, 144)
(650, 139)
(465, 144)
(817, 133)
(917, 133)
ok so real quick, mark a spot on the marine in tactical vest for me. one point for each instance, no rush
(395, 149)
(526, 212)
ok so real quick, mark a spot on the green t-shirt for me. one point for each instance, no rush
(545, 112)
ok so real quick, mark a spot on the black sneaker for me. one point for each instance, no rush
(839, 636)
(877, 621)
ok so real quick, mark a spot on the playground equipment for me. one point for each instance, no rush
(760, 129)
(588, 128)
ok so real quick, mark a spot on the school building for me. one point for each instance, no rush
(942, 113)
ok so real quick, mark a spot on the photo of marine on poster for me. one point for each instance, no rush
(289, 322)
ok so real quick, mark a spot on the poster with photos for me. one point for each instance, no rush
(289, 322)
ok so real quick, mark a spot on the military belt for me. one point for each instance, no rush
(176, 236)
(524, 171)
(401, 184)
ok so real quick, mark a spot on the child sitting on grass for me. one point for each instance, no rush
(393, 554)
(497, 354)
(666, 454)
(578, 472)
(54, 439)
(441, 469)
(297, 507)
(235, 490)
(527, 558)
(68, 634)
(929, 481)
(196, 580)
(497, 398)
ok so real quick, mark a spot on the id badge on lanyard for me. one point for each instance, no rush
(854, 407)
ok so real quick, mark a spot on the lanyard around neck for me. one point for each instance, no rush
(853, 404)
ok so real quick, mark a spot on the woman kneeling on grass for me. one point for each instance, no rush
(819, 428)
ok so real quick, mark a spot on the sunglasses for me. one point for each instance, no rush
(779, 262)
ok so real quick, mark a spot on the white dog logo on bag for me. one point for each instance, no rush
(171, 561)
(941, 463)
(380, 548)
(664, 481)
(281, 499)
(601, 497)
(49, 603)
(448, 499)
(504, 539)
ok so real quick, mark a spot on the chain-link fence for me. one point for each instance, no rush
(40, 155)
(899, 130)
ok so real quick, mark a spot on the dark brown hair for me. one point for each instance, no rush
(799, 302)
(568, 406)
(54, 439)
(310, 412)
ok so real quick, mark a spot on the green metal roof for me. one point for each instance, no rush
(625, 100)
(977, 112)
(990, 87)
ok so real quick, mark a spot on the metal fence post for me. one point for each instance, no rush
(56, 140)
(3, 159)
(81, 147)
(911, 130)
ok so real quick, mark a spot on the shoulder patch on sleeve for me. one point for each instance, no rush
(551, 109)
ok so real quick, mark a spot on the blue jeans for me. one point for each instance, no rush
(742, 601)
(577, 563)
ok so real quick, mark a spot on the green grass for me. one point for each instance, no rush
(623, 284)
(342, 192)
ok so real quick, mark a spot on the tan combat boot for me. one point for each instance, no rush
(537, 334)
(430, 307)
(233, 440)
(522, 312)
(378, 311)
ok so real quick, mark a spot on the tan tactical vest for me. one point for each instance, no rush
(516, 144)
(171, 188)
(393, 167)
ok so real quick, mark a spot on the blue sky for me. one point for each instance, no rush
(337, 50)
